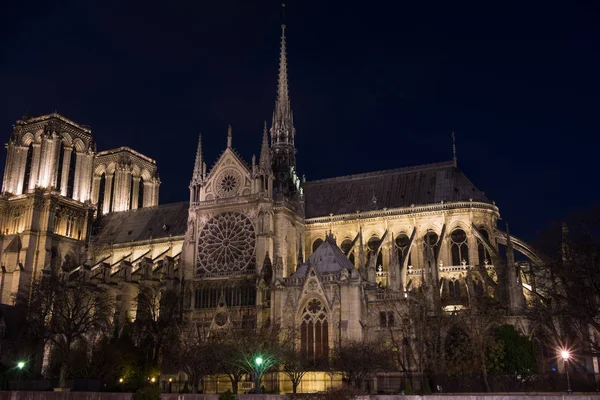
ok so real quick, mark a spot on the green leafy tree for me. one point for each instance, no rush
(518, 353)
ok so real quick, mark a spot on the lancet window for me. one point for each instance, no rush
(28, 162)
(314, 331)
(454, 289)
(460, 248)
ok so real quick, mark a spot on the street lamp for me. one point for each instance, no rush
(20, 366)
(258, 361)
(566, 355)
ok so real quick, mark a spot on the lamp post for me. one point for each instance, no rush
(20, 366)
(566, 355)
(258, 374)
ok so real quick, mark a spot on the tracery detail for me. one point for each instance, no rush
(226, 244)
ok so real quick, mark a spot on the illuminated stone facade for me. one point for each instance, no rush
(255, 242)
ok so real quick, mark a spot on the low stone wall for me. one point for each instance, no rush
(6, 395)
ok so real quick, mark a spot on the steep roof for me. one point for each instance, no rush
(326, 259)
(418, 185)
(142, 224)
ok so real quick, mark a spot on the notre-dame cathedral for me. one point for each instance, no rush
(256, 242)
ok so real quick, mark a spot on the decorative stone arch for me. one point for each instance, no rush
(27, 139)
(110, 168)
(78, 145)
(146, 175)
(66, 139)
(136, 171)
(100, 170)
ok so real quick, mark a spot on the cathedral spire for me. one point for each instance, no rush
(265, 155)
(198, 174)
(282, 129)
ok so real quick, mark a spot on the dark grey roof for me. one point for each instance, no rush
(326, 259)
(419, 185)
(142, 224)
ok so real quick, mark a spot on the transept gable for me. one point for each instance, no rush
(313, 289)
(229, 177)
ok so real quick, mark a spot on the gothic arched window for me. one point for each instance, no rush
(346, 246)
(101, 190)
(460, 249)
(431, 240)
(314, 331)
(482, 253)
(402, 242)
(454, 289)
(373, 245)
(316, 244)
(28, 162)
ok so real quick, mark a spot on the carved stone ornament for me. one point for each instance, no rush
(226, 244)
(228, 182)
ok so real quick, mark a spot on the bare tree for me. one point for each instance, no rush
(195, 355)
(360, 360)
(159, 318)
(63, 313)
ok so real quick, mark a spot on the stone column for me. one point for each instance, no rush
(85, 177)
(35, 166)
(55, 164)
(136, 192)
(77, 177)
(19, 165)
(8, 169)
(122, 188)
(47, 161)
(151, 193)
(96, 189)
(64, 176)
(107, 192)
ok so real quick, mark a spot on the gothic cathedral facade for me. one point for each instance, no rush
(256, 243)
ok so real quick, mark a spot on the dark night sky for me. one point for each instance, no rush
(374, 85)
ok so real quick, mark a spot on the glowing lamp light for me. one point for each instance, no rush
(21, 364)
(258, 360)
(121, 380)
(153, 379)
(565, 354)
(170, 379)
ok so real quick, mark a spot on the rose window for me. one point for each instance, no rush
(314, 306)
(226, 244)
(228, 183)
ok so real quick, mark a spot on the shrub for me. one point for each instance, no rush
(147, 393)
(227, 395)
(426, 386)
(408, 388)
